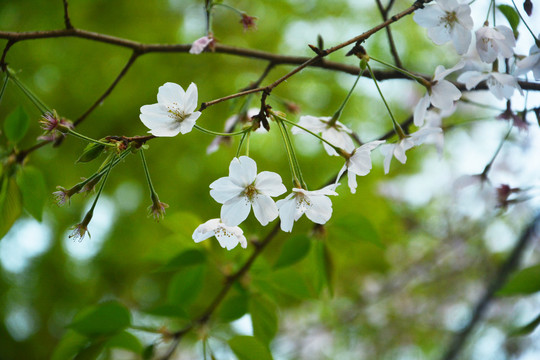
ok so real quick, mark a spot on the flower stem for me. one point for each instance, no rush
(147, 173)
(33, 97)
(111, 164)
(220, 133)
(86, 138)
(418, 79)
(247, 143)
(397, 128)
(4, 85)
(228, 7)
(337, 114)
(102, 172)
(240, 144)
(293, 162)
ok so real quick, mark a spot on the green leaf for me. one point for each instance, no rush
(148, 352)
(526, 329)
(90, 352)
(512, 16)
(249, 348)
(125, 340)
(103, 319)
(10, 204)
(234, 307)
(186, 285)
(175, 311)
(356, 228)
(264, 318)
(71, 344)
(294, 250)
(526, 281)
(90, 152)
(291, 283)
(34, 191)
(185, 259)
(16, 125)
(323, 267)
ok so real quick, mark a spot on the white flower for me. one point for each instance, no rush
(501, 85)
(441, 95)
(228, 236)
(200, 44)
(398, 149)
(244, 189)
(447, 20)
(359, 163)
(531, 62)
(336, 134)
(492, 42)
(315, 204)
(174, 112)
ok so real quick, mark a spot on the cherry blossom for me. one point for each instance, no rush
(398, 149)
(315, 204)
(227, 236)
(201, 44)
(359, 163)
(442, 93)
(244, 189)
(174, 112)
(494, 41)
(531, 62)
(447, 20)
(500, 85)
(336, 133)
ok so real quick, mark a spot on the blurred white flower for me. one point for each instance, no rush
(398, 149)
(359, 163)
(200, 45)
(315, 204)
(441, 95)
(494, 41)
(531, 62)
(228, 236)
(230, 123)
(174, 112)
(447, 20)
(336, 134)
(500, 85)
(244, 189)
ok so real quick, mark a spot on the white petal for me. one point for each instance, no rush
(360, 162)
(236, 210)
(439, 34)
(471, 78)
(320, 210)
(228, 237)
(171, 131)
(443, 94)
(269, 183)
(429, 16)
(388, 151)
(265, 209)
(223, 190)
(340, 173)
(287, 208)
(189, 122)
(461, 37)
(420, 110)
(170, 93)
(243, 170)
(311, 123)
(399, 152)
(463, 14)
(351, 181)
(190, 100)
(337, 138)
(206, 230)
(152, 121)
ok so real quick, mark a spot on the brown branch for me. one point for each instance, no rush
(3, 64)
(110, 89)
(511, 263)
(67, 20)
(391, 43)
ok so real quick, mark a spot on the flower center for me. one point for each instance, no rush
(450, 19)
(251, 192)
(177, 114)
(302, 202)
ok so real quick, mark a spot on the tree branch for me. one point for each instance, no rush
(67, 20)
(391, 43)
(511, 263)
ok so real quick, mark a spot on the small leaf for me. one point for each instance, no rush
(175, 311)
(511, 15)
(34, 191)
(148, 352)
(71, 344)
(357, 228)
(125, 340)
(526, 329)
(16, 125)
(234, 307)
(103, 319)
(526, 281)
(10, 204)
(249, 348)
(291, 283)
(186, 285)
(185, 259)
(90, 152)
(294, 250)
(263, 318)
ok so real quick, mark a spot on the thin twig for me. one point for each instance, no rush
(511, 263)
(3, 64)
(391, 43)
(67, 20)
(110, 89)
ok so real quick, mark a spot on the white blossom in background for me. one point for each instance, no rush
(359, 163)
(531, 62)
(434, 119)
(441, 95)
(398, 149)
(336, 134)
(230, 123)
(228, 236)
(447, 20)
(174, 112)
(244, 189)
(200, 45)
(500, 85)
(494, 41)
(315, 204)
